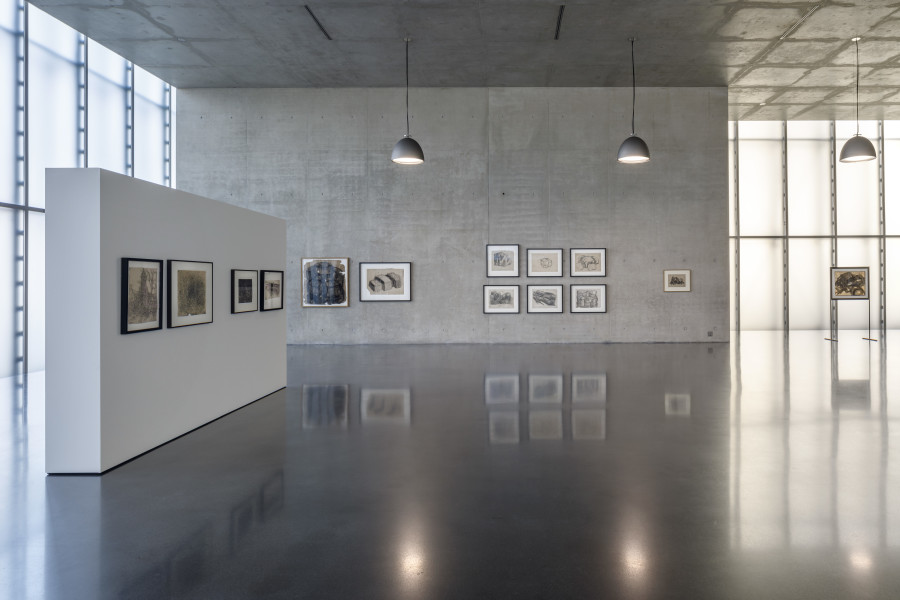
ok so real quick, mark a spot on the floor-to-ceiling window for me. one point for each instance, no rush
(797, 211)
(65, 101)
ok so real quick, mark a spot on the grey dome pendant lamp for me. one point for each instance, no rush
(858, 148)
(407, 151)
(633, 150)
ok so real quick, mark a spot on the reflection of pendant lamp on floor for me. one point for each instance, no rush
(407, 151)
(633, 149)
(858, 148)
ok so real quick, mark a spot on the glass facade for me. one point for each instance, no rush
(65, 101)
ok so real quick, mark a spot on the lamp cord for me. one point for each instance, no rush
(407, 87)
(633, 84)
(857, 86)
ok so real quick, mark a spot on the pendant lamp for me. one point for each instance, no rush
(633, 149)
(858, 148)
(407, 151)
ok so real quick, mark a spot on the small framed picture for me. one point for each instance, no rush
(677, 280)
(587, 262)
(850, 283)
(142, 288)
(271, 292)
(589, 389)
(678, 405)
(503, 260)
(244, 291)
(545, 389)
(545, 298)
(501, 299)
(190, 298)
(385, 406)
(385, 282)
(545, 262)
(587, 298)
(326, 282)
(501, 389)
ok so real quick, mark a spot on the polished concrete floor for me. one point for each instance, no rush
(765, 468)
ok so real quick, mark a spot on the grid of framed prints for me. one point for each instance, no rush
(385, 282)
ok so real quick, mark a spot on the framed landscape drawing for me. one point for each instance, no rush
(503, 260)
(325, 282)
(545, 298)
(244, 291)
(385, 282)
(677, 280)
(271, 292)
(850, 283)
(587, 262)
(190, 298)
(545, 262)
(587, 298)
(501, 299)
(142, 287)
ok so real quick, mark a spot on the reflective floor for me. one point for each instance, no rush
(764, 468)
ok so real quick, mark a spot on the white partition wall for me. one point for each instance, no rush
(111, 397)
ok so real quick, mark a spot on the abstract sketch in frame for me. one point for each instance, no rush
(545, 262)
(190, 297)
(271, 292)
(502, 260)
(849, 283)
(587, 262)
(385, 282)
(677, 280)
(326, 282)
(244, 291)
(545, 298)
(587, 298)
(142, 288)
(501, 299)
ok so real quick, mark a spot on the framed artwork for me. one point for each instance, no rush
(501, 389)
(271, 292)
(244, 291)
(385, 282)
(589, 424)
(545, 425)
(190, 298)
(587, 298)
(849, 283)
(385, 406)
(545, 389)
(325, 282)
(503, 260)
(142, 287)
(589, 389)
(325, 406)
(545, 262)
(545, 298)
(503, 427)
(678, 405)
(501, 299)
(677, 280)
(587, 262)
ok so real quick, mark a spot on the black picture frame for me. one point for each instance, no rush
(515, 307)
(510, 260)
(201, 293)
(537, 256)
(267, 302)
(141, 295)
(244, 291)
(536, 309)
(587, 306)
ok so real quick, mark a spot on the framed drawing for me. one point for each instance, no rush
(677, 280)
(271, 292)
(587, 298)
(587, 262)
(678, 405)
(190, 298)
(385, 406)
(545, 389)
(501, 389)
(385, 282)
(545, 262)
(244, 291)
(503, 260)
(545, 298)
(142, 287)
(587, 389)
(849, 283)
(501, 299)
(325, 282)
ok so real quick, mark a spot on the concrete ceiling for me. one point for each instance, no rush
(779, 58)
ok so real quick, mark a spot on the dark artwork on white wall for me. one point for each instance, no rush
(272, 290)
(244, 294)
(141, 295)
(190, 298)
(325, 282)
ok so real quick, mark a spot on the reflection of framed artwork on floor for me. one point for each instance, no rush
(543, 389)
(271, 292)
(677, 280)
(849, 283)
(503, 260)
(589, 424)
(587, 298)
(545, 425)
(587, 262)
(244, 291)
(504, 427)
(325, 406)
(142, 287)
(545, 262)
(545, 298)
(385, 282)
(501, 299)
(385, 406)
(190, 298)
(326, 282)
(501, 389)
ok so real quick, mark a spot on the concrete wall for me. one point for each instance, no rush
(529, 166)
(110, 396)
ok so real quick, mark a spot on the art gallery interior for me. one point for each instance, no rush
(517, 366)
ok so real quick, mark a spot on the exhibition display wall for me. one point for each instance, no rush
(112, 396)
(529, 167)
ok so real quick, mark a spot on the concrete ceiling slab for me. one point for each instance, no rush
(794, 53)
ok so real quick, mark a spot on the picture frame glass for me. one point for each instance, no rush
(271, 290)
(385, 282)
(545, 298)
(190, 299)
(325, 282)
(244, 291)
(502, 260)
(545, 262)
(142, 299)
(587, 262)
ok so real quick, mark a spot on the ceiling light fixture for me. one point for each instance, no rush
(858, 148)
(407, 151)
(633, 149)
